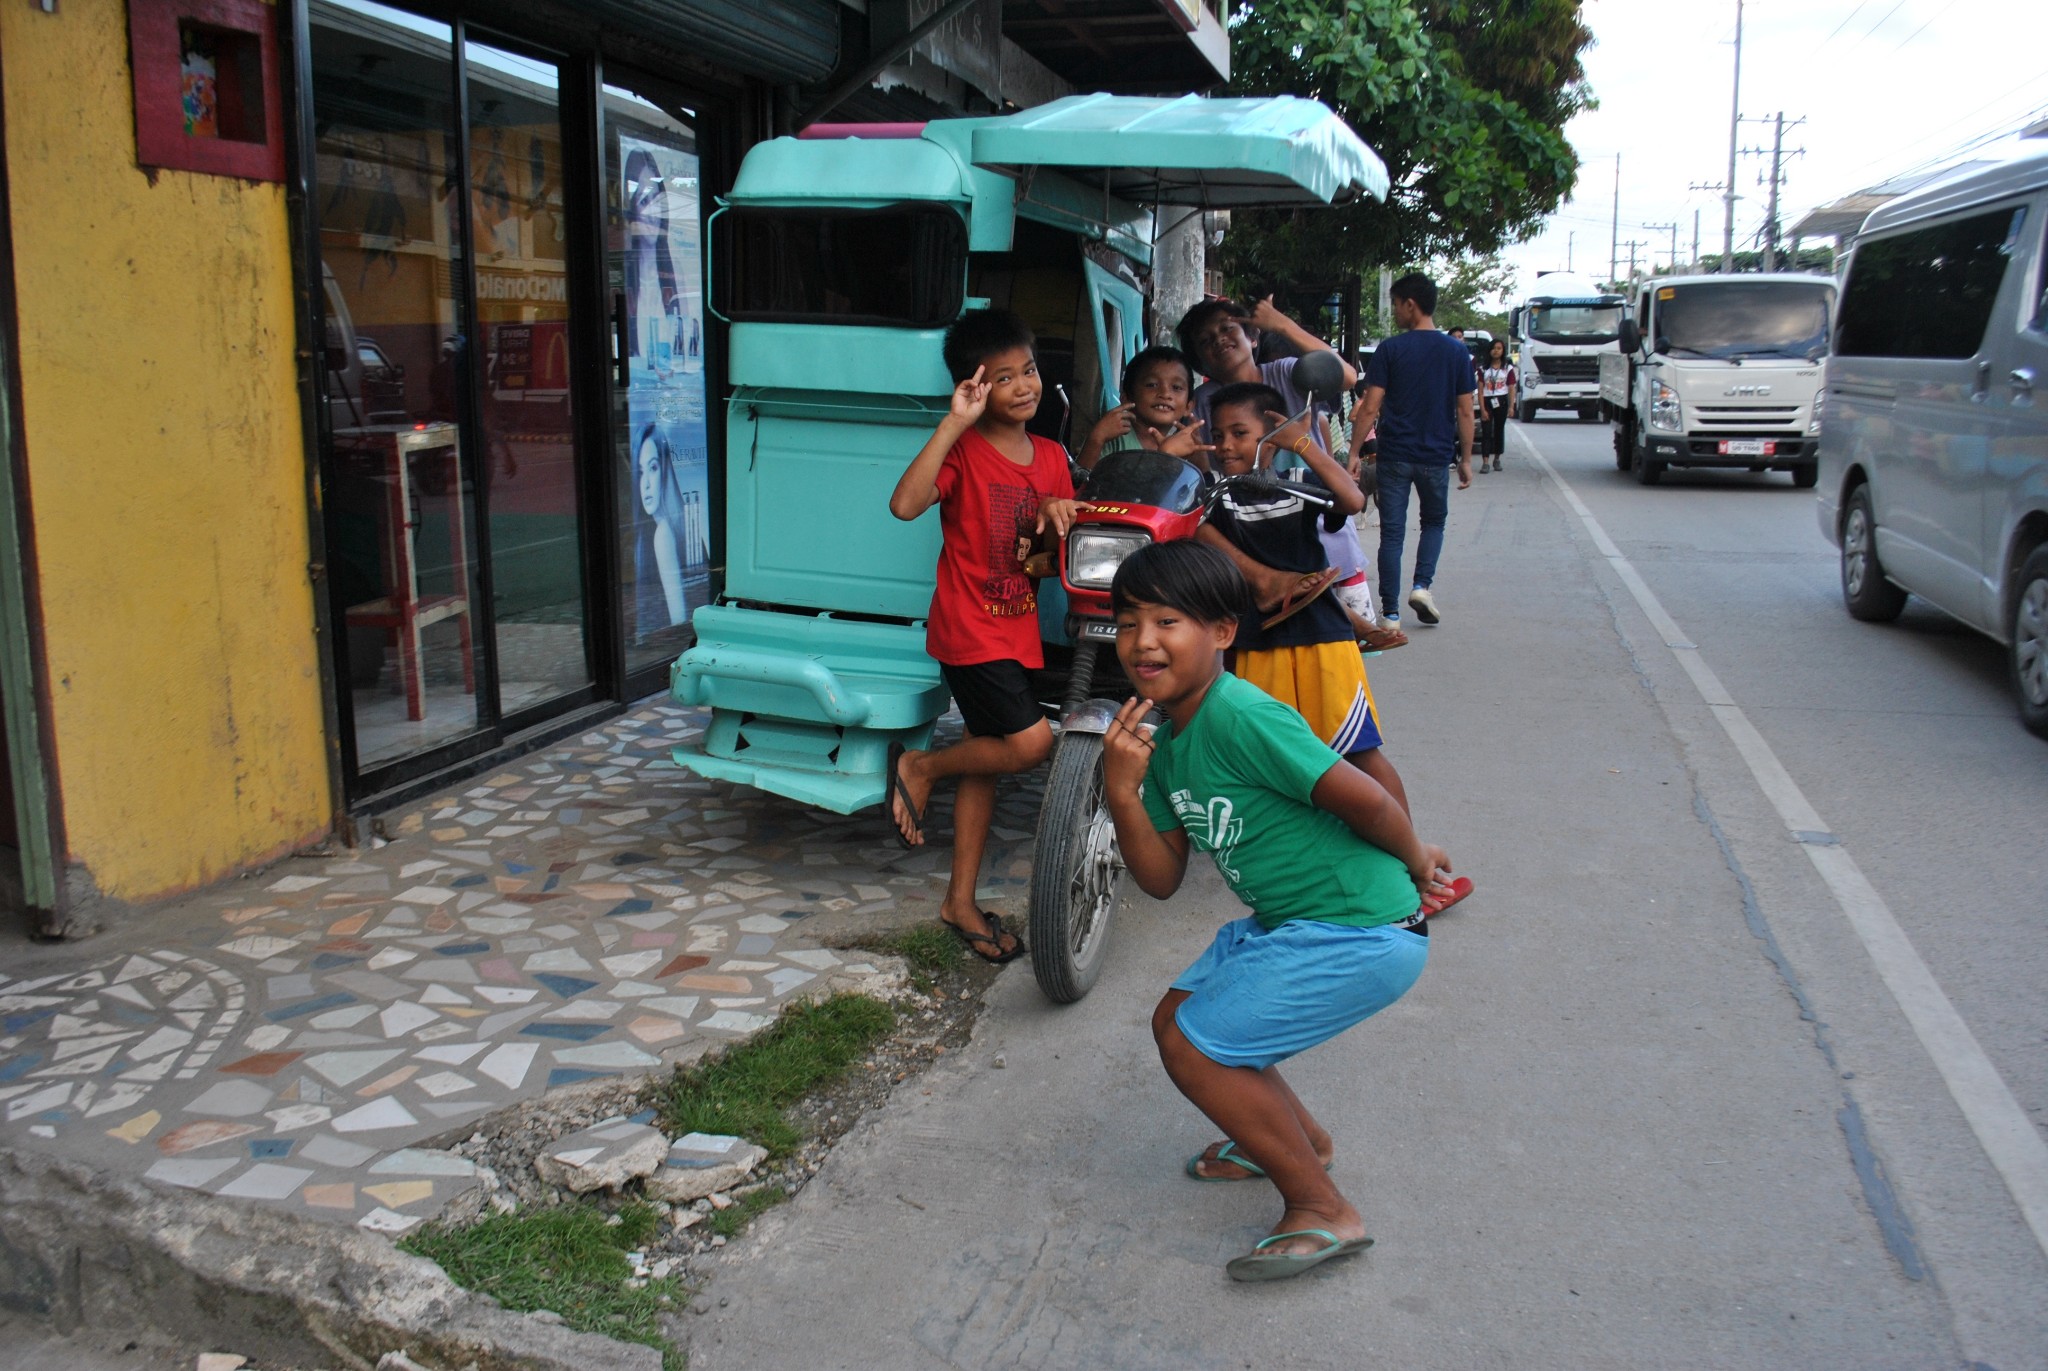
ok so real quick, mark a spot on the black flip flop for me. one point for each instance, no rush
(994, 938)
(900, 791)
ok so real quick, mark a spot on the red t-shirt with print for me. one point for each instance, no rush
(984, 608)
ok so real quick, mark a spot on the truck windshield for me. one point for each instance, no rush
(1577, 323)
(1733, 320)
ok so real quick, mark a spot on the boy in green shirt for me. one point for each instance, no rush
(1325, 857)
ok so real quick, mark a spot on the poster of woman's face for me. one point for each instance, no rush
(669, 469)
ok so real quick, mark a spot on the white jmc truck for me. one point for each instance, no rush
(1562, 328)
(1720, 371)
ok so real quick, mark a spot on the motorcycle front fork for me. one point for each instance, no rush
(1080, 677)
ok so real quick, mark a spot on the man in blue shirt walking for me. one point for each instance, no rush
(1418, 389)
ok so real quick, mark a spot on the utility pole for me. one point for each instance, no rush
(1695, 240)
(1632, 244)
(1673, 230)
(1570, 235)
(1778, 155)
(1614, 238)
(1728, 196)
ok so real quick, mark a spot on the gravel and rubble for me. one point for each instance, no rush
(930, 1024)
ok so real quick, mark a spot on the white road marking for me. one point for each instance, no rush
(2008, 1137)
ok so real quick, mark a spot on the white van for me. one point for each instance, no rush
(1934, 445)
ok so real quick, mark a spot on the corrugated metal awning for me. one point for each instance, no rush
(783, 41)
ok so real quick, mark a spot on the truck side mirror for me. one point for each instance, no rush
(1631, 337)
(337, 358)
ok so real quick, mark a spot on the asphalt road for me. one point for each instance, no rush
(1655, 1103)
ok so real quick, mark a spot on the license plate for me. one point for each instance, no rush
(1096, 631)
(1748, 447)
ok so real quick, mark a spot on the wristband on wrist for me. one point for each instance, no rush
(1299, 447)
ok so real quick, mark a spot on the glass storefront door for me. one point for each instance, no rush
(454, 500)
(654, 277)
(525, 420)
(401, 507)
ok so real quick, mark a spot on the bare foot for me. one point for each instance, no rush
(1210, 1168)
(920, 788)
(972, 921)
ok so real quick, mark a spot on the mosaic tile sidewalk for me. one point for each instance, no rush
(590, 911)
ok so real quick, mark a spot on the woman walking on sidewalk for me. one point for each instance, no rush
(1497, 401)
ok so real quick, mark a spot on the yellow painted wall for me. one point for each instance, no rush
(166, 469)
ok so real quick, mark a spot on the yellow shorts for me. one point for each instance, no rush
(1325, 683)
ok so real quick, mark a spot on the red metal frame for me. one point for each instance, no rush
(154, 50)
(402, 611)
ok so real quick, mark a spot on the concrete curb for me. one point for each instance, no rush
(83, 1248)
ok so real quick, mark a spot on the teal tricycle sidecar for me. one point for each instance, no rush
(839, 258)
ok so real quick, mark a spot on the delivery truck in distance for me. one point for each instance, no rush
(1561, 329)
(1720, 371)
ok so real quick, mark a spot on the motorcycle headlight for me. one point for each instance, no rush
(1820, 399)
(1093, 555)
(1664, 407)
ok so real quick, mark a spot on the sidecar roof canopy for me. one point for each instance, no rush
(1189, 150)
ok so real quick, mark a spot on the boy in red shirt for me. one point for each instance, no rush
(997, 487)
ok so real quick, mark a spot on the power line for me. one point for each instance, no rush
(1953, 124)
(1843, 25)
(1879, 24)
(1923, 28)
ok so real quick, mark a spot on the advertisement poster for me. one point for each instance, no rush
(669, 470)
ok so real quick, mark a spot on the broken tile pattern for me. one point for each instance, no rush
(592, 910)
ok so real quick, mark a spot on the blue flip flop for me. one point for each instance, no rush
(1261, 1265)
(1229, 1153)
(1226, 1153)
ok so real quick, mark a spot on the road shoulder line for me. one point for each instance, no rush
(2009, 1139)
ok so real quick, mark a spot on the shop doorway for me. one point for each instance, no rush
(453, 470)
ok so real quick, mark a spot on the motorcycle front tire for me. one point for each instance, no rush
(1077, 875)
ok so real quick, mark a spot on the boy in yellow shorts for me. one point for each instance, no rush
(1307, 658)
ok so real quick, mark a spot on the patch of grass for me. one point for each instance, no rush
(566, 1259)
(745, 1091)
(727, 1223)
(927, 949)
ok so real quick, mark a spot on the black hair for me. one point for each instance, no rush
(1156, 357)
(1191, 324)
(1417, 287)
(981, 334)
(1262, 398)
(1191, 577)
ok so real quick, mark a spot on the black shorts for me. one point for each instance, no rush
(994, 697)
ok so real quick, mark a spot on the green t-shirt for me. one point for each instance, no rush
(1238, 782)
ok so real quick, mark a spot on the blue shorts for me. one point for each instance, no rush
(1258, 997)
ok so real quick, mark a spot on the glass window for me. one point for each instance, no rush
(1575, 322)
(1744, 319)
(525, 428)
(654, 271)
(1927, 292)
(401, 507)
(2041, 280)
(905, 265)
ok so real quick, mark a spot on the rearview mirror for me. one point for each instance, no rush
(1631, 337)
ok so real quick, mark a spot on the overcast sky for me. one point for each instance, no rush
(1883, 85)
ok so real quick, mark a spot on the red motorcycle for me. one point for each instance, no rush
(1130, 499)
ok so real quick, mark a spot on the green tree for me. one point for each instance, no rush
(1465, 286)
(1464, 100)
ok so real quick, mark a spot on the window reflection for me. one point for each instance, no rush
(525, 425)
(401, 511)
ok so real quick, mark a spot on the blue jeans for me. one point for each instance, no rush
(1432, 482)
